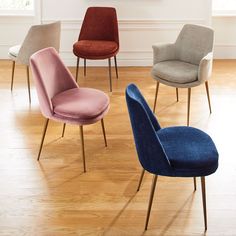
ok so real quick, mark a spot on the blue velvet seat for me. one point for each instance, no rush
(178, 151)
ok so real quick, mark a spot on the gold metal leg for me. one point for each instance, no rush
(84, 67)
(116, 67)
(189, 98)
(109, 65)
(140, 180)
(82, 146)
(42, 140)
(12, 74)
(151, 199)
(177, 94)
(28, 82)
(155, 101)
(63, 130)
(104, 132)
(77, 70)
(195, 183)
(204, 201)
(208, 95)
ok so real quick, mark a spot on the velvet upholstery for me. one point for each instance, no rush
(173, 151)
(59, 95)
(99, 37)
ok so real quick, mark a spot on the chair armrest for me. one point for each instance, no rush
(163, 52)
(205, 67)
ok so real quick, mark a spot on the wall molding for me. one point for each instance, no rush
(137, 57)
(133, 24)
(225, 51)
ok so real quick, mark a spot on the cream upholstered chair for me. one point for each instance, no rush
(186, 63)
(38, 37)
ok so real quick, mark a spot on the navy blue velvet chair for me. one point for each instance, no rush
(178, 151)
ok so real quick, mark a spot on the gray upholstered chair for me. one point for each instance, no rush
(186, 63)
(38, 37)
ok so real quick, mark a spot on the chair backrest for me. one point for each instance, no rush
(51, 77)
(193, 43)
(39, 37)
(100, 23)
(144, 125)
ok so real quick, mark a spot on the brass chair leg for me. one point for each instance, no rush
(63, 130)
(151, 199)
(104, 132)
(42, 140)
(12, 74)
(189, 98)
(195, 183)
(116, 67)
(204, 201)
(109, 65)
(28, 82)
(77, 70)
(177, 94)
(140, 180)
(155, 101)
(82, 146)
(85, 67)
(208, 95)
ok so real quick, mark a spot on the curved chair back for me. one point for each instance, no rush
(193, 43)
(144, 125)
(50, 76)
(100, 23)
(39, 37)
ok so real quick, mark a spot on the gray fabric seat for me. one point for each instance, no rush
(186, 63)
(176, 71)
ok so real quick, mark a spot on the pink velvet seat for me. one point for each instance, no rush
(80, 105)
(60, 97)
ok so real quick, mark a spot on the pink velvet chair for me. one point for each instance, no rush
(61, 99)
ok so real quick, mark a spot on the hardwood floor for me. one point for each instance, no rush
(55, 197)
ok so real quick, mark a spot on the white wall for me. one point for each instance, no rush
(225, 37)
(141, 23)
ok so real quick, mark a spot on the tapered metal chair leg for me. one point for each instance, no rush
(28, 82)
(84, 67)
(104, 132)
(140, 180)
(77, 70)
(204, 201)
(208, 96)
(155, 101)
(63, 130)
(116, 67)
(151, 200)
(82, 146)
(12, 73)
(195, 183)
(109, 65)
(189, 98)
(177, 94)
(42, 140)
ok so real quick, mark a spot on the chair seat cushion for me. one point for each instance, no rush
(14, 51)
(95, 49)
(191, 152)
(80, 103)
(176, 71)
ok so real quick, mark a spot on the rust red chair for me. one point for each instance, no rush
(61, 99)
(98, 38)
